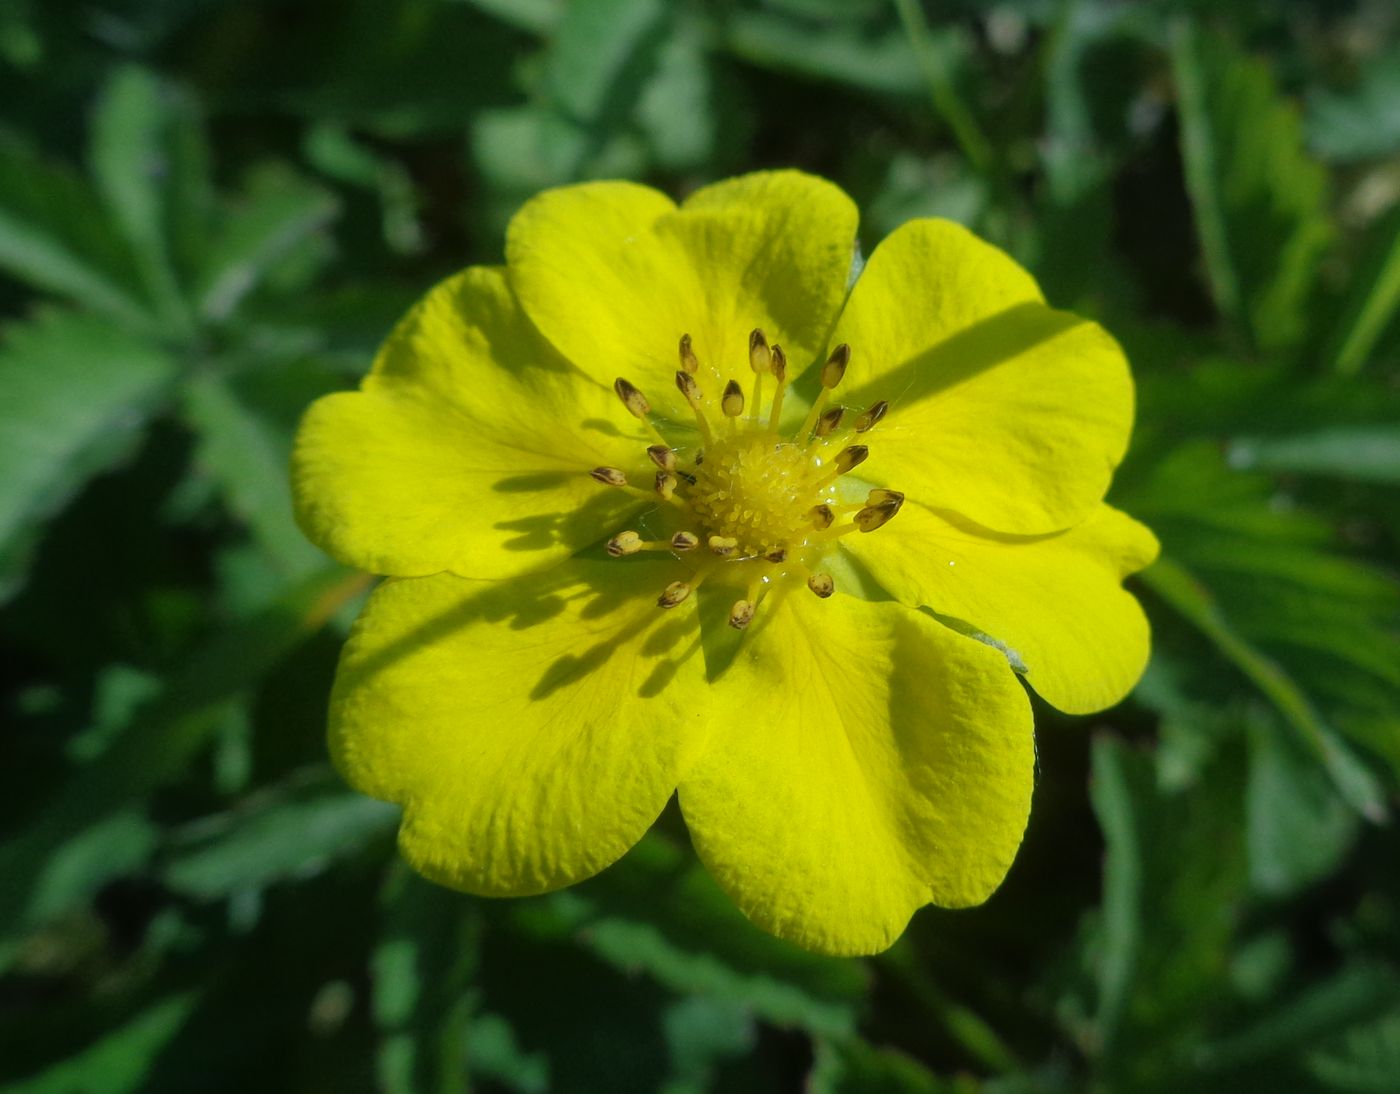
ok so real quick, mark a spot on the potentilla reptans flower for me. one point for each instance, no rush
(668, 504)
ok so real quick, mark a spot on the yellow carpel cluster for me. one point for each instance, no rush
(756, 489)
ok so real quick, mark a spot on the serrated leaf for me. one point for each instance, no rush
(161, 742)
(77, 393)
(121, 1061)
(132, 165)
(278, 214)
(1168, 911)
(1351, 997)
(1260, 203)
(1364, 1059)
(248, 457)
(422, 967)
(1297, 827)
(874, 58)
(1371, 301)
(658, 912)
(1359, 453)
(1362, 122)
(270, 840)
(592, 66)
(50, 238)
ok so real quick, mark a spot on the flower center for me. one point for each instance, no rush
(756, 490)
(754, 506)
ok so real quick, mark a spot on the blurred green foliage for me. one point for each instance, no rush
(210, 212)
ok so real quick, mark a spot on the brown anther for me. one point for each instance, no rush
(688, 387)
(635, 402)
(821, 516)
(876, 516)
(685, 541)
(777, 554)
(778, 362)
(741, 615)
(674, 594)
(722, 545)
(760, 356)
(624, 543)
(835, 366)
(872, 416)
(666, 484)
(850, 457)
(822, 585)
(732, 401)
(662, 456)
(880, 495)
(609, 476)
(689, 362)
(830, 421)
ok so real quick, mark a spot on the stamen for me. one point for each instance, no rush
(609, 476)
(872, 416)
(821, 584)
(850, 457)
(821, 516)
(689, 362)
(835, 367)
(724, 546)
(760, 360)
(741, 615)
(691, 390)
(624, 543)
(831, 374)
(880, 495)
(635, 402)
(685, 541)
(732, 401)
(876, 516)
(777, 554)
(666, 484)
(778, 364)
(662, 456)
(829, 422)
(674, 594)
(760, 356)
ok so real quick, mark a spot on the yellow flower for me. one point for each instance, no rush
(606, 481)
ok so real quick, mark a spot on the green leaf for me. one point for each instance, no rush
(535, 16)
(1359, 453)
(658, 912)
(51, 238)
(77, 394)
(278, 215)
(120, 1062)
(132, 164)
(1372, 299)
(160, 744)
(273, 837)
(1260, 203)
(422, 968)
(1362, 122)
(873, 58)
(248, 457)
(1350, 998)
(1362, 1060)
(594, 58)
(1168, 911)
(1297, 827)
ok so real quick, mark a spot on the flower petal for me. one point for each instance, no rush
(533, 729)
(613, 275)
(865, 760)
(467, 448)
(1001, 408)
(1056, 601)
